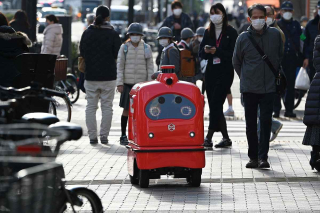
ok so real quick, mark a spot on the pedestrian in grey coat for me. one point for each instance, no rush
(257, 81)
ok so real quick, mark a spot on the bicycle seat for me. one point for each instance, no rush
(40, 118)
(74, 130)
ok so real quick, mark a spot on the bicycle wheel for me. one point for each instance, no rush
(91, 201)
(73, 90)
(61, 107)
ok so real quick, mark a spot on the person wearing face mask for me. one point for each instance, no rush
(217, 47)
(176, 22)
(195, 49)
(291, 60)
(170, 53)
(257, 81)
(311, 32)
(134, 65)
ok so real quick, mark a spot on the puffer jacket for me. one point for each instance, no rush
(312, 107)
(136, 66)
(12, 44)
(52, 41)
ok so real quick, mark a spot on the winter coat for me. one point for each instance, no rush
(21, 27)
(292, 44)
(12, 44)
(52, 41)
(255, 75)
(275, 25)
(312, 107)
(171, 56)
(311, 33)
(185, 23)
(136, 66)
(99, 46)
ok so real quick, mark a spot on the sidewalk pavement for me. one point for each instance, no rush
(227, 186)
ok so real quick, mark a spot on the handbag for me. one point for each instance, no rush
(302, 80)
(81, 64)
(281, 81)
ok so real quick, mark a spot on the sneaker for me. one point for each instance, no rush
(252, 164)
(124, 140)
(229, 112)
(224, 143)
(207, 143)
(104, 140)
(290, 115)
(275, 134)
(263, 164)
(93, 141)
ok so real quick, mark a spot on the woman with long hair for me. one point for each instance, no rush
(20, 22)
(217, 47)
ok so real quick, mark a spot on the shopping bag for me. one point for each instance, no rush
(302, 80)
(203, 65)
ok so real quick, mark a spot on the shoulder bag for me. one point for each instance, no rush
(281, 82)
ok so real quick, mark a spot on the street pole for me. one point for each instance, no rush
(130, 12)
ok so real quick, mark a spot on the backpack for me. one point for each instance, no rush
(147, 52)
(187, 61)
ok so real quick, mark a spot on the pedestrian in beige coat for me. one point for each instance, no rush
(52, 41)
(135, 65)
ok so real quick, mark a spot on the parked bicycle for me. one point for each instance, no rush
(40, 141)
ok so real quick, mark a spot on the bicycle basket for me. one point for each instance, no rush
(60, 70)
(34, 189)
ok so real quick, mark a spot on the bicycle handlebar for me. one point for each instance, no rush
(13, 92)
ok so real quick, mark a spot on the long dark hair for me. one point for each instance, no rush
(3, 20)
(21, 17)
(102, 13)
(211, 28)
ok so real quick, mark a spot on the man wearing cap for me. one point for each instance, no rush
(311, 33)
(292, 31)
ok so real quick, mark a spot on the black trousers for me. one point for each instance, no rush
(251, 103)
(289, 66)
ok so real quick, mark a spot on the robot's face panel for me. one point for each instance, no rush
(170, 106)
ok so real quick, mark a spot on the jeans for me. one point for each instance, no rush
(103, 90)
(258, 150)
(289, 67)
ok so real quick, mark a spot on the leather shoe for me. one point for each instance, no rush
(207, 143)
(224, 143)
(252, 164)
(263, 164)
(93, 141)
(290, 115)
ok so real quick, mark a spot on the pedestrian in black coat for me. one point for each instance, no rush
(312, 111)
(219, 73)
(12, 44)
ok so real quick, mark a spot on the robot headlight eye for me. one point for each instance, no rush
(186, 110)
(155, 111)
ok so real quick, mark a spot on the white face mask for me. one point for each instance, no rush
(216, 19)
(200, 39)
(258, 24)
(287, 15)
(135, 39)
(269, 21)
(177, 12)
(164, 42)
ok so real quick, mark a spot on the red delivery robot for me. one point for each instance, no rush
(166, 130)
